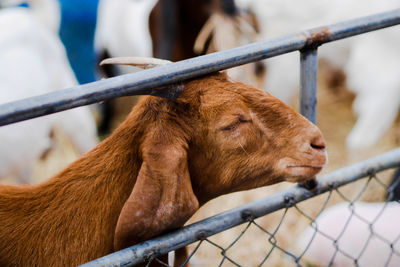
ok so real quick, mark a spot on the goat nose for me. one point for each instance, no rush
(318, 143)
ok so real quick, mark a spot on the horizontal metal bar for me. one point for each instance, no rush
(308, 84)
(143, 82)
(200, 230)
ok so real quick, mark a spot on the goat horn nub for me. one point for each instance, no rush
(140, 62)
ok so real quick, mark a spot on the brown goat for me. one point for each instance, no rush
(150, 176)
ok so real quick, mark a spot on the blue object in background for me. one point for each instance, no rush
(78, 23)
(24, 5)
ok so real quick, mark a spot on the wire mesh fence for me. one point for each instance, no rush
(318, 245)
(345, 221)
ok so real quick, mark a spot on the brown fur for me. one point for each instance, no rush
(154, 171)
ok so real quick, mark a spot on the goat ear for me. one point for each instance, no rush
(162, 197)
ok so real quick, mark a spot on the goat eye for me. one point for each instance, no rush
(231, 126)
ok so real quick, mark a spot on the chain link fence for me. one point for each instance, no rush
(276, 251)
(345, 220)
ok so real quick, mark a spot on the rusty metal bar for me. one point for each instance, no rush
(145, 81)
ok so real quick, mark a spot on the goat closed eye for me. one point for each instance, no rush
(231, 126)
(235, 124)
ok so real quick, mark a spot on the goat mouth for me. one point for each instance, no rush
(319, 167)
(301, 173)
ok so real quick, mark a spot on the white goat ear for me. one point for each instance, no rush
(162, 197)
(171, 92)
(140, 62)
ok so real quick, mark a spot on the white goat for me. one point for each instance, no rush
(373, 71)
(46, 12)
(356, 235)
(33, 61)
(376, 84)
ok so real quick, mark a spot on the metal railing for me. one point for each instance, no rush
(144, 82)
(307, 43)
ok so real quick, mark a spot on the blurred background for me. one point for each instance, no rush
(77, 28)
(58, 44)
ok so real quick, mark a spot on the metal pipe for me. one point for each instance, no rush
(308, 84)
(144, 81)
(203, 229)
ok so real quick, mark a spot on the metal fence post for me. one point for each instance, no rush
(308, 83)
